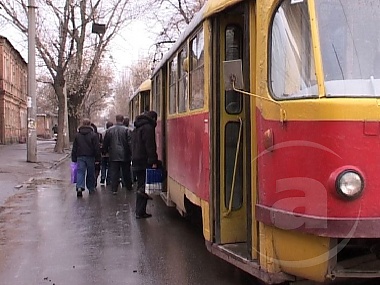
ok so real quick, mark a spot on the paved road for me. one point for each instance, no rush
(49, 236)
(15, 170)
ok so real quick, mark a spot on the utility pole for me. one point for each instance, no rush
(32, 135)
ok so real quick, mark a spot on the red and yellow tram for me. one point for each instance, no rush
(140, 100)
(269, 124)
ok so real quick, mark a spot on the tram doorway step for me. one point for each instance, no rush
(237, 249)
(238, 255)
(168, 202)
(366, 266)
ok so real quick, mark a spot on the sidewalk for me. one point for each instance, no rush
(15, 170)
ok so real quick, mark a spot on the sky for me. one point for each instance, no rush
(16, 38)
(134, 42)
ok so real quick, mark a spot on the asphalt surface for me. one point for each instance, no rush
(49, 236)
(15, 171)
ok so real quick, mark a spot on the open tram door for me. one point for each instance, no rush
(232, 136)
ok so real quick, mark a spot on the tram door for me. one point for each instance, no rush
(231, 136)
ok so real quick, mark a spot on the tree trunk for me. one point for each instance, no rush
(73, 126)
(74, 102)
(59, 146)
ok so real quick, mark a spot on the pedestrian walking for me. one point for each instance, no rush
(116, 144)
(86, 153)
(105, 173)
(144, 155)
(55, 131)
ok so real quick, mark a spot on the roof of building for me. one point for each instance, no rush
(2, 38)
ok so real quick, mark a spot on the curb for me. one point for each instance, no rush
(60, 161)
(55, 164)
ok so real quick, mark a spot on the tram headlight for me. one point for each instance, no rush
(350, 184)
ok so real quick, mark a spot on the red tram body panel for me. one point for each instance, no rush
(159, 140)
(298, 176)
(188, 152)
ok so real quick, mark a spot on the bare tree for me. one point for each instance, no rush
(173, 17)
(141, 71)
(46, 100)
(99, 92)
(64, 39)
(130, 82)
(123, 90)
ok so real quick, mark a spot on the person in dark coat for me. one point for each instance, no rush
(116, 144)
(86, 152)
(144, 155)
(55, 131)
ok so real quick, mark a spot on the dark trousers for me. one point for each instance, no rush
(105, 174)
(115, 167)
(141, 197)
(127, 181)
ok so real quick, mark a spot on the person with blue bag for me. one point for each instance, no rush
(144, 155)
(86, 152)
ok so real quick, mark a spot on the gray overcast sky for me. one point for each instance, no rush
(134, 42)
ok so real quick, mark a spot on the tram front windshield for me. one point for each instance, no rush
(350, 46)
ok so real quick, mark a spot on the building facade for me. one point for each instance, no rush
(45, 123)
(13, 94)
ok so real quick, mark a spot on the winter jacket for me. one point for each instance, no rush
(144, 148)
(115, 143)
(86, 143)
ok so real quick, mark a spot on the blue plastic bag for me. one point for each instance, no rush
(74, 171)
(153, 182)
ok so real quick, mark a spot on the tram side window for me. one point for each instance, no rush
(173, 86)
(145, 101)
(157, 95)
(197, 71)
(136, 106)
(234, 50)
(182, 81)
(154, 94)
(292, 70)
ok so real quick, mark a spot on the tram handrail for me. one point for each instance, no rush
(282, 111)
(234, 173)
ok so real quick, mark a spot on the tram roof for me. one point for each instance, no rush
(210, 8)
(145, 86)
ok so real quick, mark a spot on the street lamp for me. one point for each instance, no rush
(98, 28)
